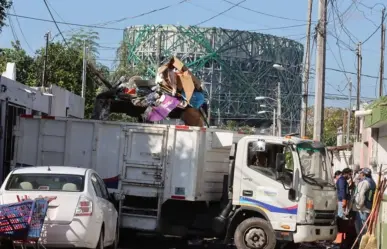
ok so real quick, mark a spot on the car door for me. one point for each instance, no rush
(102, 203)
(111, 214)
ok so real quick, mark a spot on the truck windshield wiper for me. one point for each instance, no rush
(314, 181)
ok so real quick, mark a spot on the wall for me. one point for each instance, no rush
(23, 95)
(63, 99)
(381, 155)
(341, 160)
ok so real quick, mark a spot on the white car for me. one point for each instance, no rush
(81, 212)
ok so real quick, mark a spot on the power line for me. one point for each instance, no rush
(121, 30)
(21, 30)
(142, 14)
(373, 33)
(265, 14)
(221, 13)
(66, 23)
(53, 19)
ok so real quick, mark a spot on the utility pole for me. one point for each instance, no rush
(44, 75)
(274, 118)
(349, 111)
(318, 121)
(85, 51)
(279, 124)
(382, 47)
(358, 88)
(305, 80)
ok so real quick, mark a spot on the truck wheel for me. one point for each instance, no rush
(254, 233)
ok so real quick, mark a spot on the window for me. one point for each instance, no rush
(96, 186)
(104, 191)
(264, 162)
(45, 182)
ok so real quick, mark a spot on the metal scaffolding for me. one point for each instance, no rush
(237, 64)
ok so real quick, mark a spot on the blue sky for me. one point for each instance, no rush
(360, 18)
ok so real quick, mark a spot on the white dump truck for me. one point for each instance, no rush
(258, 191)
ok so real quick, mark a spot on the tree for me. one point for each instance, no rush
(22, 60)
(4, 6)
(333, 120)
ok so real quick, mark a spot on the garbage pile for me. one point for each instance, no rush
(174, 87)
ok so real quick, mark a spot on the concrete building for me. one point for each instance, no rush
(17, 98)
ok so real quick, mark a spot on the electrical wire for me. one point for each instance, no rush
(21, 30)
(142, 14)
(56, 24)
(373, 33)
(121, 30)
(67, 23)
(14, 34)
(221, 13)
(266, 14)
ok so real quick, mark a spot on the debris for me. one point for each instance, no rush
(175, 87)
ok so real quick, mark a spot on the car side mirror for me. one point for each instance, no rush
(280, 162)
(292, 194)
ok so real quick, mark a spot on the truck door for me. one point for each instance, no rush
(142, 176)
(263, 189)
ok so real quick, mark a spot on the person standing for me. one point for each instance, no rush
(343, 192)
(337, 175)
(364, 198)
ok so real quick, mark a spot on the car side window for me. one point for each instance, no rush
(97, 188)
(105, 193)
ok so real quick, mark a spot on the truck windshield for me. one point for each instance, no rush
(313, 164)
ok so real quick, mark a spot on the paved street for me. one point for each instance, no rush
(143, 242)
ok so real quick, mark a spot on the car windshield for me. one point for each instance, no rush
(313, 164)
(45, 182)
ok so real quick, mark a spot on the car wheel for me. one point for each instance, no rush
(254, 233)
(100, 244)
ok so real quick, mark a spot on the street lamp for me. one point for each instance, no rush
(274, 117)
(278, 67)
(275, 110)
(264, 97)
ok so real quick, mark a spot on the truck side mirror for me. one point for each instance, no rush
(292, 194)
(280, 162)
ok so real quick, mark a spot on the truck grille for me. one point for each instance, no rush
(324, 217)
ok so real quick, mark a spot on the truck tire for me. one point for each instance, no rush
(254, 233)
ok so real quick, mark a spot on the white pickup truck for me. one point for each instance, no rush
(182, 181)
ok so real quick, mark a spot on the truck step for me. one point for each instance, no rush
(142, 184)
(135, 211)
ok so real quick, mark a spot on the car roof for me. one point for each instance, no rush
(66, 170)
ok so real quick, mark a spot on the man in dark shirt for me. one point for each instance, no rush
(343, 192)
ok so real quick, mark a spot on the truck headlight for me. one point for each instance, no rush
(309, 217)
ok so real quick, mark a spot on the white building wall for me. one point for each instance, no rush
(63, 99)
(17, 93)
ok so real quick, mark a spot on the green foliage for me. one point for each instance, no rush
(122, 68)
(233, 126)
(4, 6)
(379, 102)
(333, 120)
(121, 117)
(23, 61)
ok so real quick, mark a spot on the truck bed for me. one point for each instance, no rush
(166, 161)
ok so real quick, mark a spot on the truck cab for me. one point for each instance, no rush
(280, 189)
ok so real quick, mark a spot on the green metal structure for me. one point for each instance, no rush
(235, 66)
